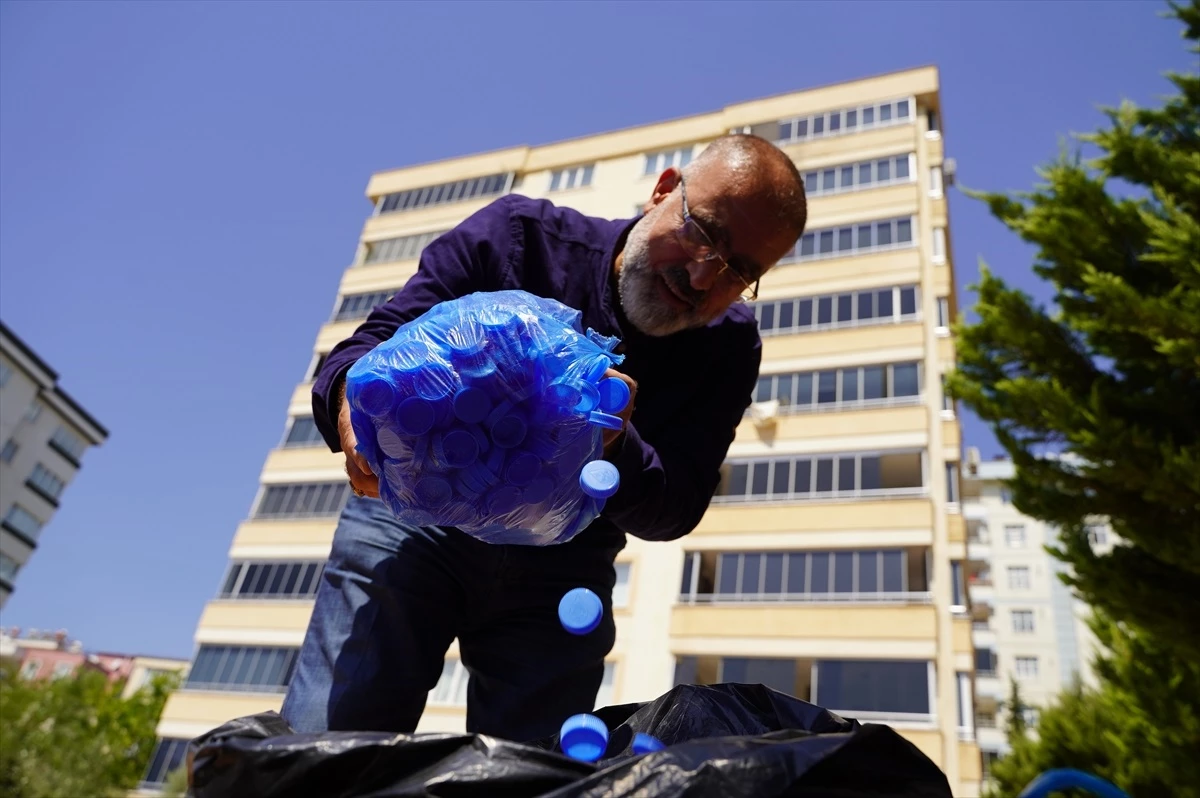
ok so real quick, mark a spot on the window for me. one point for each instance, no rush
(62, 670)
(985, 662)
(1097, 535)
(169, 755)
(985, 720)
(620, 593)
(46, 483)
(402, 248)
(575, 177)
(1022, 620)
(272, 580)
(932, 117)
(320, 364)
(9, 451)
(20, 520)
(657, 162)
(359, 306)
(604, 695)
(859, 175)
(264, 669)
(938, 250)
(952, 483)
(1018, 577)
(458, 191)
(840, 576)
(8, 568)
(958, 593)
(302, 500)
(894, 687)
(451, 689)
(778, 674)
(1006, 496)
(947, 400)
(805, 477)
(34, 412)
(943, 311)
(844, 121)
(5, 373)
(30, 668)
(68, 444)
(837, 389)
(935, 181)
(303, 432)
(856, 239)
(1014, 535)
(813, 313)
(1032, 715)
(966, 709)
(1026, 667)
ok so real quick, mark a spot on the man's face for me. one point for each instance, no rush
(664, 288)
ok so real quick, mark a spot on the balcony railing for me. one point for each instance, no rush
(981, 673)
(897, 597)
(225, 687)
(981, 626)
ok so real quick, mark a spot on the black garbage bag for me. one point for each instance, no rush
(727, 740)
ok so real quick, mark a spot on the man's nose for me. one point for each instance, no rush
(702, 274)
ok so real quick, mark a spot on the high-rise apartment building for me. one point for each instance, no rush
(823, 567)
(1026, 625)
(43, 435)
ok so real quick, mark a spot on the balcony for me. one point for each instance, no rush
(825, 621)
(798, 517)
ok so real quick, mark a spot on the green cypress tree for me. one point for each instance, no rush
(1108, 381)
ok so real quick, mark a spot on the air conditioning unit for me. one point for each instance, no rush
(949, 169)
(763, 414)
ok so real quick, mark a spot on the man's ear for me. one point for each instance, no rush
(667, 182)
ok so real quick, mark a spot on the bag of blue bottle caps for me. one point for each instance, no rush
(486, 413)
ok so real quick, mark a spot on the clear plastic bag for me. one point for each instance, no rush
(485, 413)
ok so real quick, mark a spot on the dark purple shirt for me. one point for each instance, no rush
(693, 386)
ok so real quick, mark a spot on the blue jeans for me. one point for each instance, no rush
(394, 596)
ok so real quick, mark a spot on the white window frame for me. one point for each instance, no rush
(1015, 536)
(572, 177)
(1025, 668)
(935, 182)
(1019, 577)
(937, 251)
(1019, 627)
(621, 590)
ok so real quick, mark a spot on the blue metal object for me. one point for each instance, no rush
(1063, 778)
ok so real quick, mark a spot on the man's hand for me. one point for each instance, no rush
(612, 437)
(362, 479)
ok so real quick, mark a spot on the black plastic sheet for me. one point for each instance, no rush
(722, 740)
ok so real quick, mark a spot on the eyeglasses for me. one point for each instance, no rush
(700, 248)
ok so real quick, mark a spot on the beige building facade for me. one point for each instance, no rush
(823, 566)
(44, 434)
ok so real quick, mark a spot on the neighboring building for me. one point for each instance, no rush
(53, 655)
(1026, 624)
(823, 567)
(43, 435)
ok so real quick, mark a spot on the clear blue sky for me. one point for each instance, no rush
(182, 186)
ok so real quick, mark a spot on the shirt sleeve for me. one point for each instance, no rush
(667, 483)
(471, 257)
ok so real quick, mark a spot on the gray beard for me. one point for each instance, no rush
(640, 298)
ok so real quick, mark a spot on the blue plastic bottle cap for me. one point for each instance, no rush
(471, 405)
(434, 382)
(414, 416)
(614, 395)
(409, 356)
(508, 432)
(580, 611)
(466, 338)
(459, 448)
(583, 737)
(433, 491)
(504, 500)
(480, 437)
(374, 395)
(481, 475)
(599, 479)
(538, 490)
(605, 420)
(391, 444)
(596, 370)
(563, 393)
(645, 743)
(495, 461)
(523, 468)
(589, 397)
